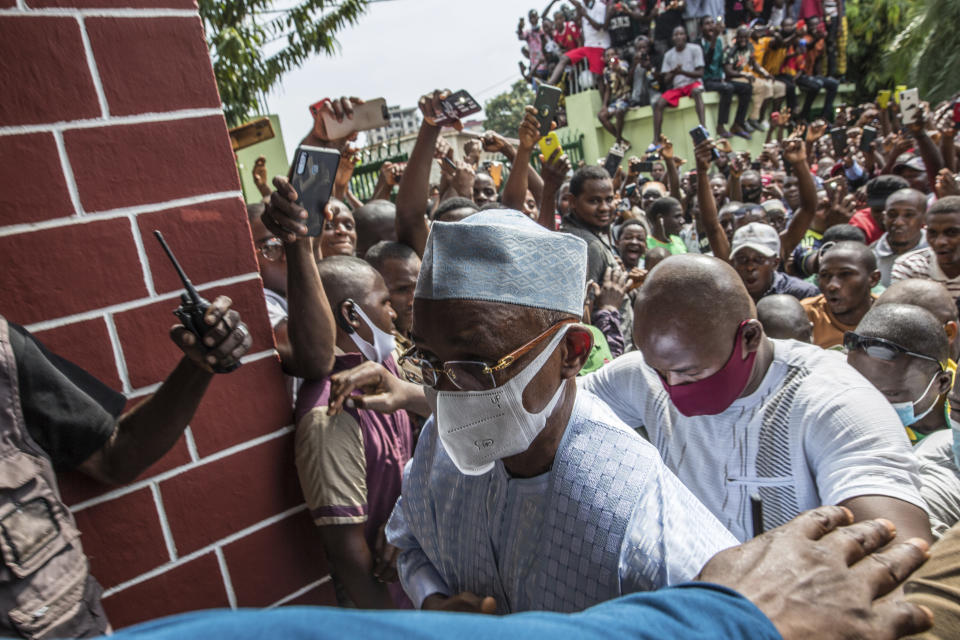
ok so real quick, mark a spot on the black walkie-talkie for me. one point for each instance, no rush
(193, 306)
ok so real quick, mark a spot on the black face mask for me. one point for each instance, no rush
(752, 194)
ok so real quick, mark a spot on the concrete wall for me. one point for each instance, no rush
(582, 109)
(110, 127)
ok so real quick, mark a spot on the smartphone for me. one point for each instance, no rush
(495, 171)
(548, 144)
(450, 163)
(869, 135)
(369, 115)
(644, 166)
(457, 106)
(839, 137)
(699, 133)
(314, 170)
(546, 105)
(755, 166)
(251, 133)
(614, 158)
(910, 106)
(900, 88)
(883, 98)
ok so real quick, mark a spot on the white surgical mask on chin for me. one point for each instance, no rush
(906, 411)
(383, 342)
(477, 428)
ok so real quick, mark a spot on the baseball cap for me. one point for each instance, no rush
(909, 161)
(773, 205)
(758, 236)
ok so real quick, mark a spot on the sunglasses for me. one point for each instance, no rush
(881, 349)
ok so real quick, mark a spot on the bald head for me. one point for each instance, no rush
(861, 253)
(654, 257)
(911, 196)
(912, 327)
(346, 277)
(783, 317)
(711, 289)
(929, 294)
(375, 221)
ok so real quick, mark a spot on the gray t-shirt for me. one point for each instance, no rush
(689, 59)
(940, 480)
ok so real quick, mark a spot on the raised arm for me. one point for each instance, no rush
(709, 217)
(555, 170)
(515, 190)
(673, 176)
(795, 153)
(414, 188)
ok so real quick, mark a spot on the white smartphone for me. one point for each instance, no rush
(369, 115)
(910, 105)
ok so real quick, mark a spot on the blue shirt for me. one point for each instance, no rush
(694, 611)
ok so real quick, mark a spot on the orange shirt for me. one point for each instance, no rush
(827, 330)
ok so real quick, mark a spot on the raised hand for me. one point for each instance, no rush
(666, 147)
(339, 108)
(225, 340)
(794, 150)
(611, 293)
(554, 170)
(529, 131)
(821, 576)
(816, 130)
(432, 110)
(260, 176)
(947, 184)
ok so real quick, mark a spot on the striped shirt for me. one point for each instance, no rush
(815, 432)
(922, 264)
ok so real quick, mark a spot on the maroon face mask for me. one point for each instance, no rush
(715, 393)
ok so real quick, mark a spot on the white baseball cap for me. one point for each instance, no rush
(759, 236)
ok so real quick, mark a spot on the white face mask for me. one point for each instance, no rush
(906, 412)
(479, 427)
(383, 342)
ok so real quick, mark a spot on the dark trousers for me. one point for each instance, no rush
(833, 34)
(812, 86)
(791, 95)
(743, 90)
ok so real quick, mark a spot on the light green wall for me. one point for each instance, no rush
(277, 162)
(582, 110)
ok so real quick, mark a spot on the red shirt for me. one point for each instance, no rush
(863, 219)
(569, 37)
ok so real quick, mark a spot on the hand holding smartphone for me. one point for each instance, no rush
(366, 115)
(314, 172)
(548, 144)
(699, 134)
(456, 107)
(548, 97)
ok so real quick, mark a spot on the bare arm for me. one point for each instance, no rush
(555, 170)
(673, 176)
(143, 435)
(910, 520)
(515, 190)
(709, 218)
(795, 154)
(413, 191)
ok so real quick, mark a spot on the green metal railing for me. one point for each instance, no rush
(367, 171)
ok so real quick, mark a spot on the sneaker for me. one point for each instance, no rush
(765, 125)
(754, 124)
(738, 130)
(653, 148)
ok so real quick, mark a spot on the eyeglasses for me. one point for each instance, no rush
(469, 375)
(271, 249)
(881, 349)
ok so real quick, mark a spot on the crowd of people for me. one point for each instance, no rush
(714, 402)
(654, 52)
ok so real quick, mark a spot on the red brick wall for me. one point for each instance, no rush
(110, 127)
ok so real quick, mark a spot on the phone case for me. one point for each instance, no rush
(699, 133)
(910, 105)
(548, 97)
(457, 106)
(548, 144)
(369, 115)
(614, 158)
(883, 98)
(839, 137)
(314, 171)
(869, 135)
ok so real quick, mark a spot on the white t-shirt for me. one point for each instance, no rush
(277, 312)
(815, 432)
(941, 480)
(689, 59)
(595, 37)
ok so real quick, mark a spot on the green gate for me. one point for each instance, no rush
(367, 171)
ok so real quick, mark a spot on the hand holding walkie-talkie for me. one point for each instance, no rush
(214, 347)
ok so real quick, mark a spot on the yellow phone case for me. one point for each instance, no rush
(548, 144)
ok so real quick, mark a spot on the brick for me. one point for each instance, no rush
(144, 332)
(7, 4)
(188, 231)
(114, 4)
(275, 561)
(149, 65)
(194, 585)
(152, 162)
(32, 159)
(86, 344)
(257, 392)
(211, 501)
(57, 272)
(44, 74)
(323, 595)
(122, 537)
(76, 487)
